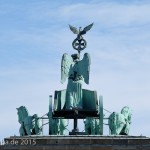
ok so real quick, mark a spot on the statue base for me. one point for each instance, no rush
(76, 142)
(77, 133)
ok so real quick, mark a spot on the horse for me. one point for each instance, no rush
(59, 126)
(92, 126)
(29, 124)
(119, 123)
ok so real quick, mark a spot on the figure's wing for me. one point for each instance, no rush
(84, 67)
(74, 29)
(65, 67)
(87, 28)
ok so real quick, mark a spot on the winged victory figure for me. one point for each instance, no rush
(77, 72)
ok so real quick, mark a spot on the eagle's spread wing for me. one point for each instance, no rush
(65, 67)
(84, 67)
(87, 28)
(74, 29)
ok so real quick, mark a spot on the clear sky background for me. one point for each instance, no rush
(34, 34)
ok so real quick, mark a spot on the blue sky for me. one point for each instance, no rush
(34, 34)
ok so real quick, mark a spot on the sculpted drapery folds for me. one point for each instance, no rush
(77, 72)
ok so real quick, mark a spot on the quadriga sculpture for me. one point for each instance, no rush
(29, 124)
(92, 126)
(119, 123)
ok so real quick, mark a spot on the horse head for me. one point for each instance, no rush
(127, 112)
(22, 113)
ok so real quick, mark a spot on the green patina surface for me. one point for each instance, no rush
(30, 125)
(119, 123)
(74, 102)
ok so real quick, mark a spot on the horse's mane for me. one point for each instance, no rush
(24, 111)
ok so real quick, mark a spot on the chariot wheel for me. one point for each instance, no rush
(79, 44)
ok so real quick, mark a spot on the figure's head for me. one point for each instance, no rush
(80, 29)
(75, 57)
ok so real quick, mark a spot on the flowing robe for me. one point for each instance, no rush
(74, 89)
